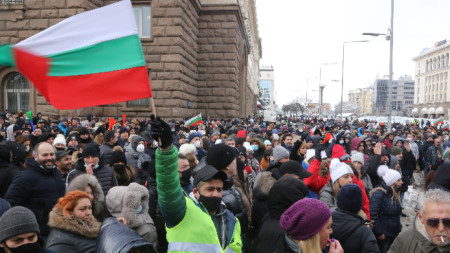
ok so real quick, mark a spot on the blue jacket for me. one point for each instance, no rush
(385, 211)
(62, 127)
(37, 189)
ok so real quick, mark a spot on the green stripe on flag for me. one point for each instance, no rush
(6, 56)
(122, 53)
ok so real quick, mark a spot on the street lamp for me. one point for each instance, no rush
(321, 87)
(342, 79)
(389, 36)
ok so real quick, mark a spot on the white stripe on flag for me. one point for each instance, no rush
(88, 28)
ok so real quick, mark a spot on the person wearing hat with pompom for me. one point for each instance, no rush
(200, 222)
(386, 208)
(348, 227)
(308, 227)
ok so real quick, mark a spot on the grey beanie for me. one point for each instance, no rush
(16, 221)
(279, 152)
(358, 157)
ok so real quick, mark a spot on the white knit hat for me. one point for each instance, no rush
(187, 148)
(391, 176)
(310, 153)
(59, 140)
(381, 170)
(333, 163)
(358, 157)
(338, 170)
(276, 137)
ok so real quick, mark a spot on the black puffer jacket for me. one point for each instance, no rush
(114, 237)
(285, 192)
(233, 200)
(385, 211)
(103, 173)
(106, 153)
(7, 174)
(264, 183)
(37, 189)
(351, 232)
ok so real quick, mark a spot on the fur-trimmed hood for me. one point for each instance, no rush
(81, 182)
(263, 185)
(123, 201)
(87, 228)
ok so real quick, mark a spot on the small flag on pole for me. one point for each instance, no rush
(194, 121)
(446, 153)
(438, 121)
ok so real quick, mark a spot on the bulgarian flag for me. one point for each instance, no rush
(446, 153)
(194, 121)
(445, 127)
(89, 59)
(438, 121)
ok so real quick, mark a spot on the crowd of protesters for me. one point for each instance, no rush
(239, 185)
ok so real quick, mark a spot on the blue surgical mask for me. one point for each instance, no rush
(341, 142)
(95, 167)
(255, 147)
(139, 210)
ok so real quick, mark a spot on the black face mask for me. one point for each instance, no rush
(186, 175)
(119, 168)
(211, 203)
(60, 149)
(27, 248)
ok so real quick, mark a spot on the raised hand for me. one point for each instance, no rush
(161, 132)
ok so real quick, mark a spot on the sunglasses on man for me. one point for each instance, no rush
(434, 223)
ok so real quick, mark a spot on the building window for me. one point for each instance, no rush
(16, 90)
(141, 103)
(142, 14)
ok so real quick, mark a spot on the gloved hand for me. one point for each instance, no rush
(297, 145)
(319, 149)
(161, 132)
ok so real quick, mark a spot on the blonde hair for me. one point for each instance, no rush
(304, 145)
(336, 188)
(310, 245)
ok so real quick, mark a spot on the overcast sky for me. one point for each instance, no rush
(299, 35)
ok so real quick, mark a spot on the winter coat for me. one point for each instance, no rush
(37, 189)
(388, 143)
(103, 173)
(415, 240)
(123, 201)
(408, 164)
(106, 153)
(315, 182)
(246, 195)
(385, 211)
(396, 139)
(80, 183)
(72, 234)
(261, 192)
(326, 195)
(115, 237)
(351, 232)
(371, 168)
(133, 157)
(7, 174)
(233, 200)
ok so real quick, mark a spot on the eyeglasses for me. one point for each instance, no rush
(435, 222)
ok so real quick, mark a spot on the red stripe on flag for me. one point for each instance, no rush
(72, 92)
(33, 67)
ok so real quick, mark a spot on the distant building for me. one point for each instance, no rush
(363, 97)
(432, 97)
(267, 86)
(402, 96)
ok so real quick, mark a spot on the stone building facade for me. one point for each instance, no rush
(202, 56)
(432, 88)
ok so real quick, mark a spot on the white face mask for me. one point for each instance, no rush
(27, 148)
(197, 144)
(140, 148)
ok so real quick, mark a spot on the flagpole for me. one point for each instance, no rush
(152, 103)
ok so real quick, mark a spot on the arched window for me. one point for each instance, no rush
(16, 91)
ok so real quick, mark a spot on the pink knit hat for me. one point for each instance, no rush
(305, 218)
